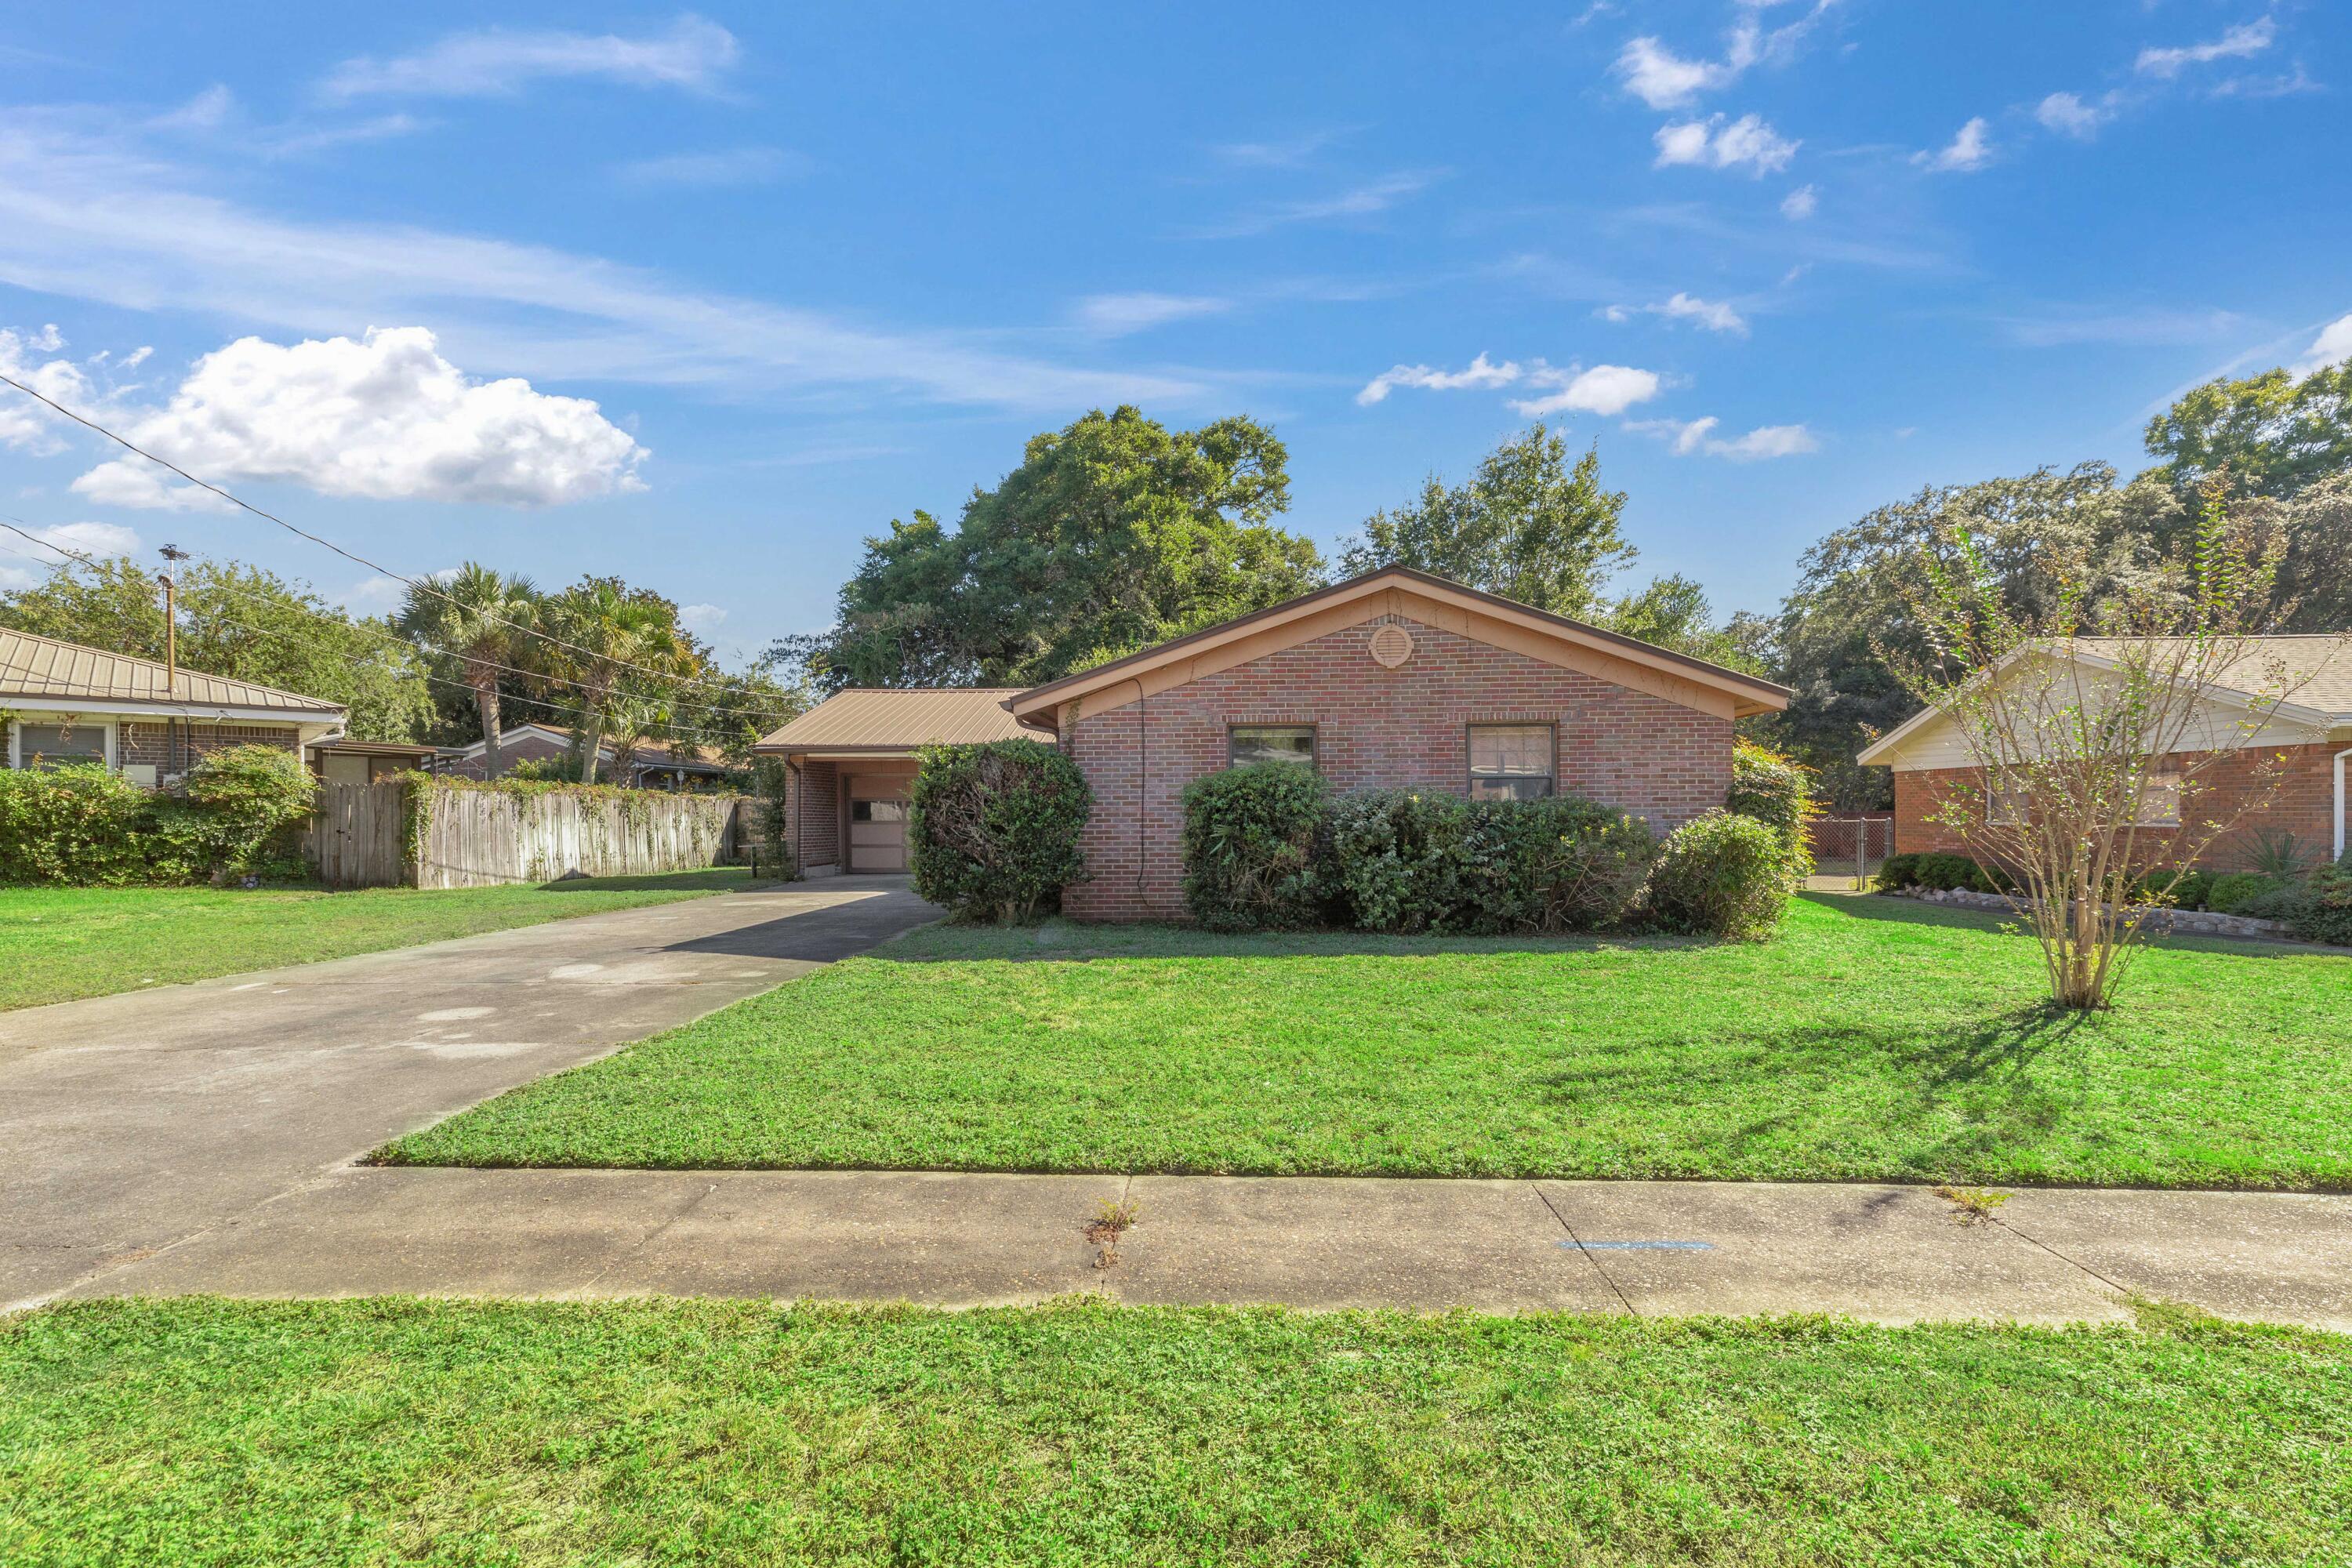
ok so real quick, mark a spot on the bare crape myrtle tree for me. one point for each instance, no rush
(2112, 746)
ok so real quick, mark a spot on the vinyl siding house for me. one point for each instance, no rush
(63, 702)
(1395, 678)
(2288, 699)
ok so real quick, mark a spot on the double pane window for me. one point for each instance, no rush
(1272, 744)
(1510, 762)
(60, 745)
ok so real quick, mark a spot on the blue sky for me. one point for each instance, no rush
(818, 266)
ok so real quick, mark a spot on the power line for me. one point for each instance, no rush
(389, 638)
(423, 586)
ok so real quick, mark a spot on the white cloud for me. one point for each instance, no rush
(81, 217)
(99, 539)
(1479, 372)
(2069, 115)
(384, 417)
(713, 171)
(2240, 42)
(1664, 79)
(1605, 389)
(701, 617)
(1746, 141)
(1367, 200)
(2332, 346)
(1293, 153)
(1801, 204)
(1715, 316)
(1697, 436)
(1116, 315)
(1970, 149)
(492, 60)
(25, 425)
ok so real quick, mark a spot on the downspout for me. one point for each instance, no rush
(2340, 756)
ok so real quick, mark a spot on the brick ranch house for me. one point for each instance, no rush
(1395, 678)
(61, 702)
(2309, 732)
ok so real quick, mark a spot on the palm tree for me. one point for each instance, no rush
(602, 633)
(473, 616)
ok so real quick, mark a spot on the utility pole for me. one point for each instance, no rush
(172, 555)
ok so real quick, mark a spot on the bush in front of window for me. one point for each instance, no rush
(1249, 847)
(1399, 859)
(992, 832)
(1560, 863)
(241, 814)
(79, 825)
(1722, 875)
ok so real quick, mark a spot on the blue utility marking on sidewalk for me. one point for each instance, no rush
(1642, 1246)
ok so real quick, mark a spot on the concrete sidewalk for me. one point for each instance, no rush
(1892, 1254)
(129, 1123)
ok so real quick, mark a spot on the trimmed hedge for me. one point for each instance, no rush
(1722, 875)
(240, 814)
(1249, 847)
(2321, 908)
(2237, 891)
(992, 834)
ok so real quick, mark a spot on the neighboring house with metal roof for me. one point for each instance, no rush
(63, 702)
(1395, 678)
(2286, 701)
(849, 767)
(648, 764)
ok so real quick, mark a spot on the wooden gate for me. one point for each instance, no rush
(355, 834)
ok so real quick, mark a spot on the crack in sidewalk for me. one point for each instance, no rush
(1583, 1251)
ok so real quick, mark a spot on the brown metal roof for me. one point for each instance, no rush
(33, 665)
(874, 719)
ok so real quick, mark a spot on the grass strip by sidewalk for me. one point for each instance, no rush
(203, 1432)
(60, 944)
(1874, 1040)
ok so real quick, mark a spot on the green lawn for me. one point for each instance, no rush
(203, 1432)
(58, 944)
(1875, 1038)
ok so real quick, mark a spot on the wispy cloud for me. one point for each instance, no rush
(1479, 372)
(1712, 314)
(1665, 79)
(2240, 42)
(2067, 329)
(694, 54)
(2332, 346)
(1605, 389)
(714, 170)
(1367, 200)
(1287, 152)
(86, 219)
(2067, 114)
(1968, 151)
(1697, 438)
(1746, 142)
(1801, 204)
(1116, 315)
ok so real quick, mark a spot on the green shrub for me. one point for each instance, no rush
(1396, 859)
(994, 832)
(1555, 864)
(1724, 875)
(1249, 846)
(1774, 790)
(2321, 908)
(2236, 892)
(2188, 890)
(249, 805)
(1898, 872)
(1948, 873)
(79, 825)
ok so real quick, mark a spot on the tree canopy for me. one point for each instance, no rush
(2272, 433)
(1527, 525)
(1114, 533)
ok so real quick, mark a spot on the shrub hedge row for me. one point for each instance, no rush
(2316, 906)
(240, 814)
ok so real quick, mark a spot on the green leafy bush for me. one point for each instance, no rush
(1560, 863)
(248, 808)
(1898, 872)
(1949, 873)
(993, 833)
(1249, 846)
(2184, 889)
(78, 826)
(2321, 908)
(1397, 858)
(2237, 892)
(1724, 875)
(1775, 791)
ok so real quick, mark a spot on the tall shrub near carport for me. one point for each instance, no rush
(992, 832)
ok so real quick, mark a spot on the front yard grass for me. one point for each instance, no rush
(1874, 1040)
(59, 943)
(205, 1432)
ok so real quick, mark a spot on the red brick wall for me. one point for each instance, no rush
(2303, 802)
(812, 801)
(141, 741)
(1375, 728)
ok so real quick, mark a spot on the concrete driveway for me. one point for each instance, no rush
(131, 1122)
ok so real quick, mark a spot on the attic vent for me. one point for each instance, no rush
(1391, 645)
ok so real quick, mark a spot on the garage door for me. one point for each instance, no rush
(877, 825)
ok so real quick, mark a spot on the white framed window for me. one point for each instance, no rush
(1510, 762)
(65, 741)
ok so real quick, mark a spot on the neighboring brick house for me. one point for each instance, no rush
(62, 702)
(1394, 679)
(2293, 764)
(651, 765)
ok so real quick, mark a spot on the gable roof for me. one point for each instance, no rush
(900, 718)
(1481, 615)
(2313, 670)
(45, 668)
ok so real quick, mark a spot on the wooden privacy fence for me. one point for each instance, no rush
(477, 837)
